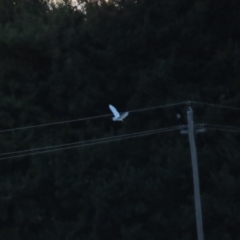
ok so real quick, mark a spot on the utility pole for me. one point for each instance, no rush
(197, 198)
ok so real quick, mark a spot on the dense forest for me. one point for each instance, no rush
(62, 63)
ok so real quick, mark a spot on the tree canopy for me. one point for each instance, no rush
(60, 62)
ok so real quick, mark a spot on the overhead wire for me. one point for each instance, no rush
(88, 143)
(215, 105)
(163, 106)
(221, 127)
(89, 118)
(54, 123)
(108, 115)
(115, 138)
(80, 142)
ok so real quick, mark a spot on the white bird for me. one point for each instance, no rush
(117, 115)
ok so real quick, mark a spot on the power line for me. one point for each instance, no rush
(221, 127)
(108, 115)
(89, 118)
(163, 106)
(89, 143)
(54, 123)
(80, 142)
(60, 147)
(215, 105)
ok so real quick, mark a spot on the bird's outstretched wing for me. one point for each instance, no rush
(124, 115)
(114, 111)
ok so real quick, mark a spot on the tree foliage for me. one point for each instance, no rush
(62, 62)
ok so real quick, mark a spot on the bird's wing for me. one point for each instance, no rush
(114, 111)
(124, 115)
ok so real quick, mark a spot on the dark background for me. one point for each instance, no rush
(58, 63)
